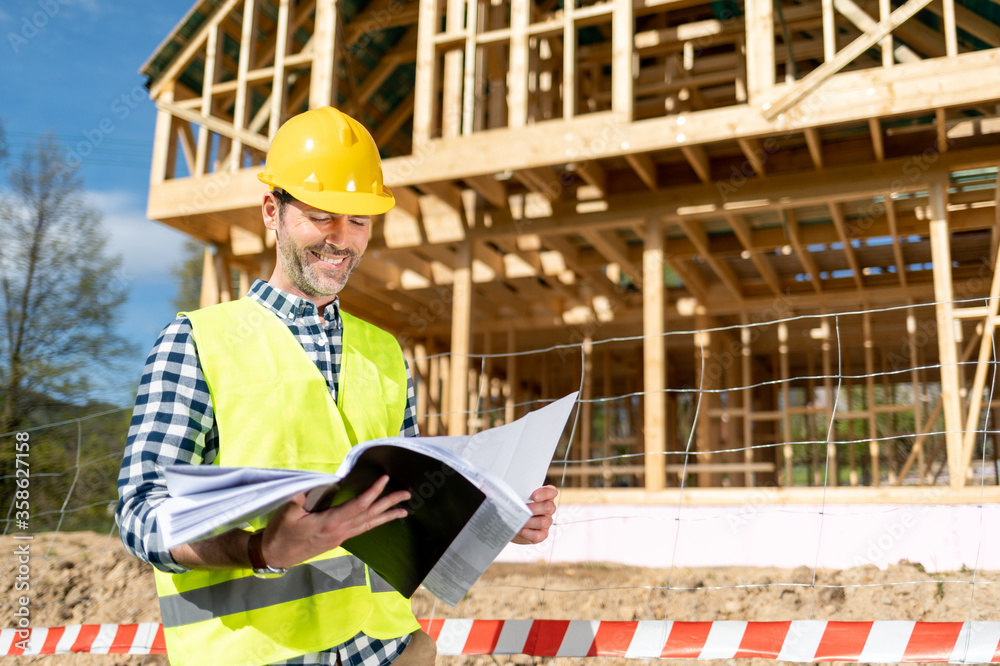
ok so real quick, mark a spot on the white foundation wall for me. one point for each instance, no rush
(834, 536)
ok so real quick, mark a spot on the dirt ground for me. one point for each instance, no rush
(87, 578)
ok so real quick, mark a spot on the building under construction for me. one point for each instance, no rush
(759, 237)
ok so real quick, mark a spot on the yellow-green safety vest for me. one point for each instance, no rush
(273, 409)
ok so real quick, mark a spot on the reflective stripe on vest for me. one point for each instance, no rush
(273, 409)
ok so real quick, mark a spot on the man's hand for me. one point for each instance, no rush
(294, 535)
(542, 507)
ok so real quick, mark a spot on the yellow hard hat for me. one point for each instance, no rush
(327, 159)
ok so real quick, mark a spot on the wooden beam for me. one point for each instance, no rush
(985, 350)
(491, 189)
(644, 167)
(614, 250)
(815, 147)
(388, 127)
(742, 231)
(878, 145)
(696, 234)
(806, 259)
(864, 22)
(897, 249)
(852, 259)
(569, 254)
(805, 86)
(654, 360)
(592, 174)
(755, 155)
(698, 160)
(896, 91)
(947, 350)
(222, 127)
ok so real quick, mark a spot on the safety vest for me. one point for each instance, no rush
(273, 409)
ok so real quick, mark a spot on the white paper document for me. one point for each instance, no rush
(468, 498)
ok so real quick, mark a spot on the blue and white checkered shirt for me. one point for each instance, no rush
(173, 422)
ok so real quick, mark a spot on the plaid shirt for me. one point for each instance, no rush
(173, 422)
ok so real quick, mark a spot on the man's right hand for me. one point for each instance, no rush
(294, 535)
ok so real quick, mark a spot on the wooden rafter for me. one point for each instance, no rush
(764, 267)
(801, 251)
(696, 234)
(846, 240)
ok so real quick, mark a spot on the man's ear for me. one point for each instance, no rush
(269, 211)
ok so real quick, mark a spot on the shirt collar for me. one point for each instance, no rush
(291, 307)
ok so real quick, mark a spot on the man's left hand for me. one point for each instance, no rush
(542, 507)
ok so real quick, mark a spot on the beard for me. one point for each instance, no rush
(305, 274)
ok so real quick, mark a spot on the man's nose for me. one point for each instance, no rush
(336, 231)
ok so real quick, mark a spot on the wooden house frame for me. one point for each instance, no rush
(595, 176)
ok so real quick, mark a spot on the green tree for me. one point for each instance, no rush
(188, 274)
(60, 290)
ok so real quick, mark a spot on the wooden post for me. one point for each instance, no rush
(247, 47)
(569, 61)
(831, 426)
(947, 350)
(829, 31)
(786, 422)
(425, 87)
(746, 374)
(606, 407)
(451, 121)
(911, 332)
(469, 89)
(848, 382)
(210, 76)
(209, 281)
(587, 408)
(323, 84)
(950, 34)
(434, 391)
(622, 43)
(873, 446)
(884, 9)
(811, 421)
(461, 329)
(653, 343)
(510, 408)
(164, 141)
(760, 48)
(517, 93)
(278, 80)
(421, 368)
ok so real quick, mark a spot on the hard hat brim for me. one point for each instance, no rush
(346, 203)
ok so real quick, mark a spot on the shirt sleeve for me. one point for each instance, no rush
(172, 422)
(410, 428)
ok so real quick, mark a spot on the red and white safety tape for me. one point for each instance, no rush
(884, 641)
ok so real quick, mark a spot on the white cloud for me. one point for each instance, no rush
(148, 249)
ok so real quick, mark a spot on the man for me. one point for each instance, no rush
(284, 378)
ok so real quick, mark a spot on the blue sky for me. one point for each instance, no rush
(73, 75)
